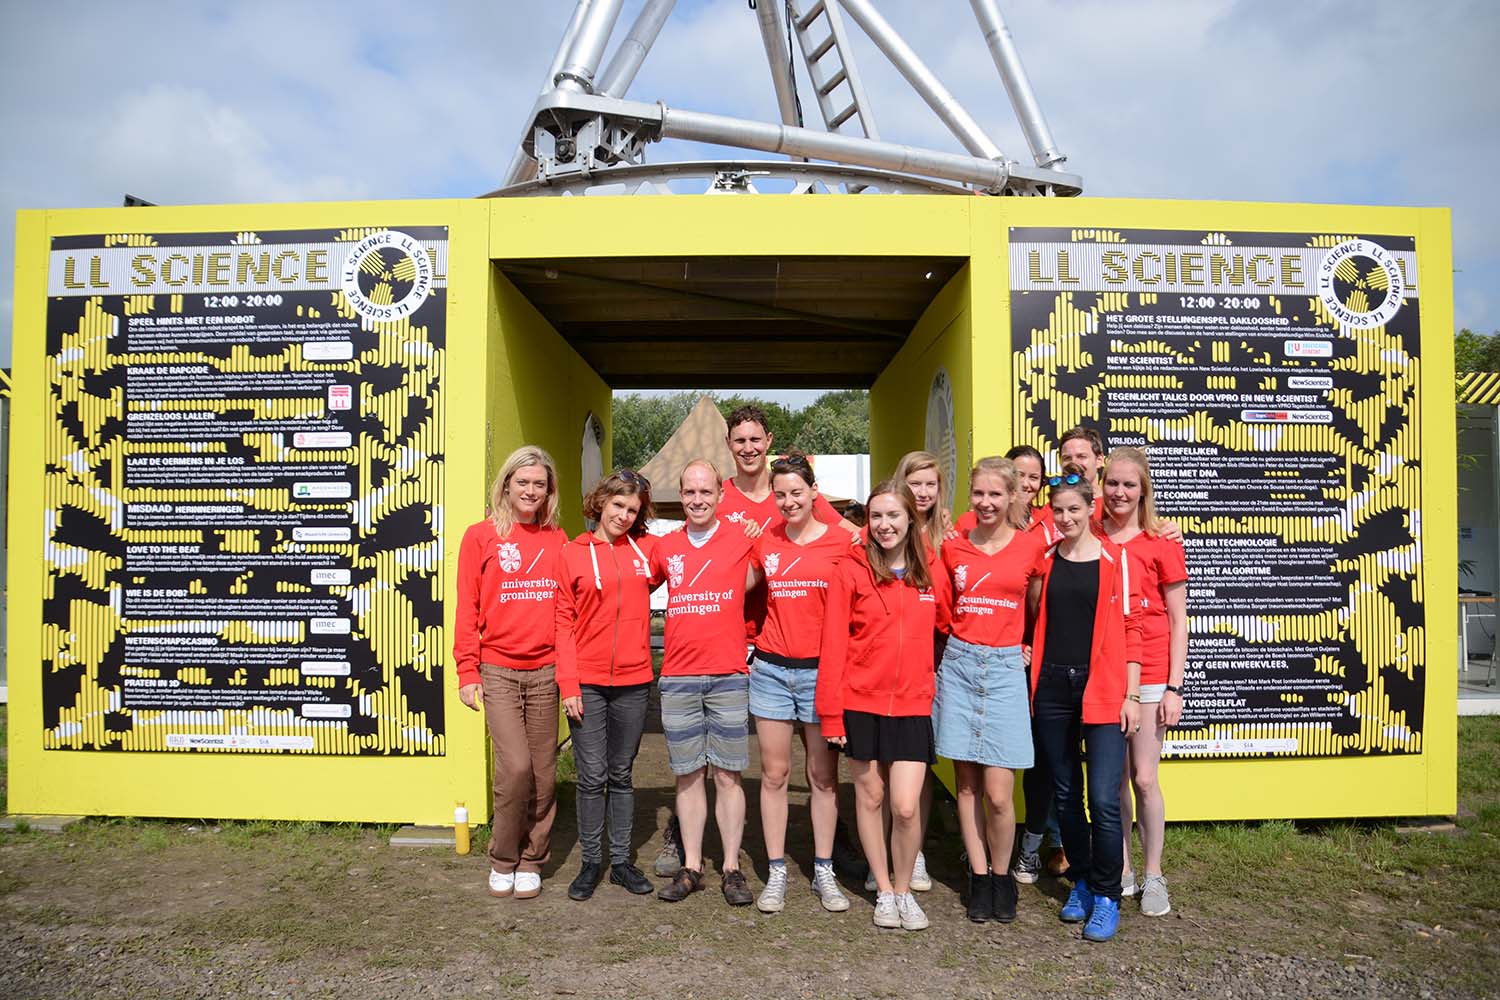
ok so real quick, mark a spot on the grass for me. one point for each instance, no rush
(303, 892)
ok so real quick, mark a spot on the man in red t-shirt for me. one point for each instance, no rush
(704, 684)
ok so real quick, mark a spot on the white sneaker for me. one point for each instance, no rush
(870, 884)
(825, 885)
(920, 880)
(886, 913)
(773, 896)
(502, 885)
(911, 915)
(528, 885)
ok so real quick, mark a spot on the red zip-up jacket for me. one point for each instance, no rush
(1117, 633)
(506, 590)
(604, 613)
(877, 647)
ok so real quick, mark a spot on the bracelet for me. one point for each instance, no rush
(1133, 697)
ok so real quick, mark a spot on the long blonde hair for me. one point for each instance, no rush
(1146, 516)
(1004, 469)
(932, 525)
(501, 514)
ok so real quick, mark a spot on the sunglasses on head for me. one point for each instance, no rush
(634, 478)
(1071, 479)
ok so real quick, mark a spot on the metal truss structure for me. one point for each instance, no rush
(583, 136)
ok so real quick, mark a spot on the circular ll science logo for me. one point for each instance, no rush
(1360, 283)
(387, 276)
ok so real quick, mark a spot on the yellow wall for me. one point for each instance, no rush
(372, 789)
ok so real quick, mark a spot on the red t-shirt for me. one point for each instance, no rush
(735, 507)
(705, 601)
(988, 592)
(1161, 563)
(796, 588)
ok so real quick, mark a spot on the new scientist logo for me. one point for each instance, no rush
(1361, 284)
(387, 276)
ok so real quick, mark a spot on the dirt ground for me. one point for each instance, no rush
(170, 909)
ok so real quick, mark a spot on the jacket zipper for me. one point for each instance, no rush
(900, 646)
(614, 642)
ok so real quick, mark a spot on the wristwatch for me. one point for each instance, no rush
(1175, 690)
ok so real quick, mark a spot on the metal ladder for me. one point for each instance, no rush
(819, 27)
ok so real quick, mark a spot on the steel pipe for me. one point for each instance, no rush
(522, 167)
(626, 62)
(922, 79)
(582, 62)
(700, 127)
(1013, 74)
(773, 34)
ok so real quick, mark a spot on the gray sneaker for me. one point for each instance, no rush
(1128, 885)
(886, 914)
(825, 885)
(1154, 901)
(912, 917)
(773, 896)
(1028, 867)
(920, 880)
(870, 884)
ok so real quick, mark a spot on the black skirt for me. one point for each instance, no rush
(886, 738)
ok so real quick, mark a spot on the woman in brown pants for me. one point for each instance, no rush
(503, 647)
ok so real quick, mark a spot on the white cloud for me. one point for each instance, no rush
(1311, 101)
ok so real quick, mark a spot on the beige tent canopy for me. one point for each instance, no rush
(704, 434)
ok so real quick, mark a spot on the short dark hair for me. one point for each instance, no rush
(1086, 433)
(622, 483)
(750, 413)
(1026, 451)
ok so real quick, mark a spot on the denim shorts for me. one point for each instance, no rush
(782, 693)
(706, 721)
(981, 711)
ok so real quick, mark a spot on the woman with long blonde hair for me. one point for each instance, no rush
(1130, 522)
(504, 649)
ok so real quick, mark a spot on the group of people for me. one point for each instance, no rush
(1049, 639)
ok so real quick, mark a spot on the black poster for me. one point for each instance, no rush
(244, 492)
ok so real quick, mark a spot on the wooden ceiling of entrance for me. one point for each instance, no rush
(733, 322)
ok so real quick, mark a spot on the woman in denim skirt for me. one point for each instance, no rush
(981, 714)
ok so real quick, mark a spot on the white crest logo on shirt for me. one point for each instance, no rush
(773, 560)
(640, 568)
(674, 571)
(510, 557)
(961, 577)
(736, 517)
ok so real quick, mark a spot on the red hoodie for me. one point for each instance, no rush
(506, 588)
(1117, 633)
(604, 613)
(877, 647)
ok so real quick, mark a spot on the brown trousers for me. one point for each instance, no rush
(520, 708)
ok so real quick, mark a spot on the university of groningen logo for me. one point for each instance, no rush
(387, 276)
(1361, 284)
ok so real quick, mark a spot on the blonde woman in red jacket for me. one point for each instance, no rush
(875, 686)
(604, 670)
(1086, 681)
(504, 650)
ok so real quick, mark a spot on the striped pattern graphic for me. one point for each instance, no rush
(1285, 445)
(243, 511)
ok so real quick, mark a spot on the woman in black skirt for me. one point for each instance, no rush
(875, 685)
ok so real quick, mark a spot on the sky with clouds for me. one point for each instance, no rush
(1381, 102)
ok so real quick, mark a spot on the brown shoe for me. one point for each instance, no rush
(736, 891)
(1057, 863)
(683, 884)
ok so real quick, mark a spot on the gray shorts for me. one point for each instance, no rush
(707, 721)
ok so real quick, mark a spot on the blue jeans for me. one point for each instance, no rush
(1095, 845)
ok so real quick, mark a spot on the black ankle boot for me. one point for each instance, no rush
(981, 898)
(586, 881)
(632, 878)
(1005, 897)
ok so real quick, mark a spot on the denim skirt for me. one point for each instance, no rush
(982, 712)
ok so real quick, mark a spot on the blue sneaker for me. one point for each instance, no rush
(1104, 921)
(1079, 905)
